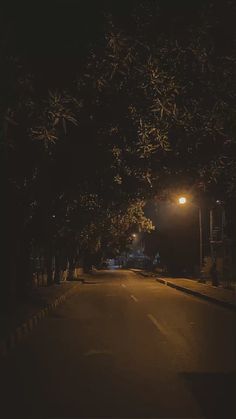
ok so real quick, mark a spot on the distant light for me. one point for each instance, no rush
(134, 235)
(182, 200)
(53, 216)
(218, 201)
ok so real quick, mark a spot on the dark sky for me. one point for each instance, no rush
(54, 36)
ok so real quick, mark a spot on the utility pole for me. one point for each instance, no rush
(200, 244)
(211, 235)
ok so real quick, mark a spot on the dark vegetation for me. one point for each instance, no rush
(104, 106)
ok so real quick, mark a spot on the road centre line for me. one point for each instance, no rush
(134, 298)
(159, 327)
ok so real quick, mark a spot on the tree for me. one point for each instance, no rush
(150, 109)
(164, 102)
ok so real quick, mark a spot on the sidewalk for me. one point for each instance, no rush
(17, 324)
(218, 295)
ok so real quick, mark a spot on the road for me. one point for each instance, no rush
(124, 346)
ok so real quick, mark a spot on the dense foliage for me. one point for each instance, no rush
(149, 105)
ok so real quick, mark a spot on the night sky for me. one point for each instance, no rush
(54, 37)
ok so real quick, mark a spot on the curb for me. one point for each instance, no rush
(224, 304)
(205, 297)
(17, 336)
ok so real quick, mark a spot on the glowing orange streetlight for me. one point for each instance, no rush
(182, 200)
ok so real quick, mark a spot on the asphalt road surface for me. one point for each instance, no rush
(125, 347)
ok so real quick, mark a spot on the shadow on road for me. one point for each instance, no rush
(215, 393)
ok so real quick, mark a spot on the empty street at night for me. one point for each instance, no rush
(118, 237)
(127, 347)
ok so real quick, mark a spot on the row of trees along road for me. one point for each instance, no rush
(150, 106)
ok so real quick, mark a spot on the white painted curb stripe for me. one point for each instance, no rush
(24, 329)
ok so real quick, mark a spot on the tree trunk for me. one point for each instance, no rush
(87, 262)
(49, 260)
(24, 271)
(57, 278)
(8, 272)
(71, 270)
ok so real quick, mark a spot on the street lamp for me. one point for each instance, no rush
(182, 201)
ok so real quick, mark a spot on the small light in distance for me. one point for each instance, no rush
(182, 200)
(134, 235)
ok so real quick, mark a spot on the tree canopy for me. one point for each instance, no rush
(97, 121)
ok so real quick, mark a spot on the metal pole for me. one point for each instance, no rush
(211, 235)
(222, 223)
(224, 271)
(200, 242)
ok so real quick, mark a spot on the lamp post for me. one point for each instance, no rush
(217, 236)
(182, 201)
